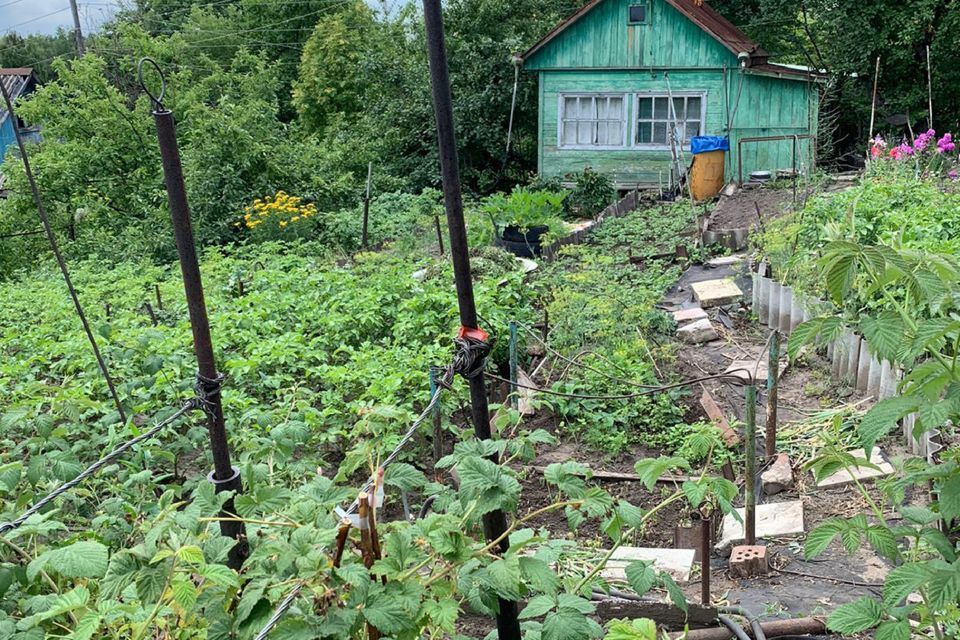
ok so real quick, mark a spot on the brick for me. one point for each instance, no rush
(716, 293)
(779, 477)
(714, 413)
(697, 332)
(747, 561)
(689, 315)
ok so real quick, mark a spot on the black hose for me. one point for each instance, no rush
(735, 629)
(752, 619)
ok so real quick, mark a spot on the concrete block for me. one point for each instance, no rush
(676, 562)
(863, 367)
(773, 519)
(862, 474)
(873, 380)
(726, 261)
(779, 477)
(786, 308)
(853, 357)
(888, 381)
(697, 332)
(689, 315)
(715, 293)
(747, 561)
(763, 300)
(797, 314)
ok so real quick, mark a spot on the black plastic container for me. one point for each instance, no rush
(523, 244)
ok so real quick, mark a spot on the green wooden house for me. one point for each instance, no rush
(608, 73)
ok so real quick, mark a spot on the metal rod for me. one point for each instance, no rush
(873, 105)
(224, 476)
(773, 383)
(929, 88)
(706, 525)
(494, 523)
(156, 288)
(45, 221)
(20, 234)
(366, 207)
(436, 222)
(750, 442)
(514, 397)
(437, 423)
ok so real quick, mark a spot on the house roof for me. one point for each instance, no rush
(14, 80)
(699, 12)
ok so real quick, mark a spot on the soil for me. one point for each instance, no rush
(739, 211)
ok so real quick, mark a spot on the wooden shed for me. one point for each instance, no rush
(607, 76)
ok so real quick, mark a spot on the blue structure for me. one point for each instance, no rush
(18, 82)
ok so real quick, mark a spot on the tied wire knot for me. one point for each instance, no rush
(470, 357)
(207, 389)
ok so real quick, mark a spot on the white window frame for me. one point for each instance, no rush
(647, 146)
(627, 129)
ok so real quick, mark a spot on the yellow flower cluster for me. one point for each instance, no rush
(281, 209)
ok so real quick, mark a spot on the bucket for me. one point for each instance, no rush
(706, 177)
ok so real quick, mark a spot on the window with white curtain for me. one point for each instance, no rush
(597, 120)
(655, 118)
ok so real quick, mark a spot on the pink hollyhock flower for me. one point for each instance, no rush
(946, 144)
(895, 153)
(878, 144)
(953, 175)
(905, 150)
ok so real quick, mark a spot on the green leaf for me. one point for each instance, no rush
(812, 332)
(492, 486)
(567, 477)
(66, 602)
(883, 333)
(220, 575)
(881, 538)
(539, 575)
(567, 624)
(820, 538)
(84, 559)
(882, 418)
(639, 629)
(890, 630)
(948, 497)
(86, 626)
(650, 469)
(674, 591)
(503, 576)
(904, 580)
(150, 583)
(120, 573)
(537, 606)
(404, 476)
(191, 554)
(641, 576)
(443, 613)
(944, 586)
(184, 592)
(855, 616)
(575, 603)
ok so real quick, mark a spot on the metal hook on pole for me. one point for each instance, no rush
(157, 100)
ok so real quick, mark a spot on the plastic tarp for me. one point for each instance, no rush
(703, 144)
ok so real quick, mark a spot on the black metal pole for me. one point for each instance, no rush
(42, 212)
(225, 477)
(494, 523)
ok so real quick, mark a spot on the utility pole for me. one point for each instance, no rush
(225, 477)
(77, 33)
(495, 522)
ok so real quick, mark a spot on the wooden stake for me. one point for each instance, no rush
(341, 541)
(773, 382)
(929, 88)
(150, 312)
(366, 207)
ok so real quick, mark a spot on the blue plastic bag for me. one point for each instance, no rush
(703, 144)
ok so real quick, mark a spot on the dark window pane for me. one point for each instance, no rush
(661, 108)
(660, 132)
(646, 108)
(638, 13)
(643, 133)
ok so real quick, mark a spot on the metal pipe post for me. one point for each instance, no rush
(773, 383)
(224, 477)
(437, 428)
(706, 525)
(366, 206)
(750, 441)
(52, 239)
(494, 523)
(514, 390)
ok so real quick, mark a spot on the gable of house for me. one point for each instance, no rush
(672, 34)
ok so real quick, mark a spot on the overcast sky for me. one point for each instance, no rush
(44, 16)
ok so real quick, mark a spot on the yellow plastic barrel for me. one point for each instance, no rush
(706, 176)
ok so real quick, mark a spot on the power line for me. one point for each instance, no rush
(9, 3)
(46, 15)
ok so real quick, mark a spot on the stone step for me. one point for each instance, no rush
(716, 293)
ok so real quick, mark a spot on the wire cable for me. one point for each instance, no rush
(96, 466)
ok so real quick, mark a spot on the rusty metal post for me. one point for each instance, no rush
(156, 288)
(436, 223)
(225, 477)
(706, 524)
(773, 383)
(495, 522)
(750, 442)
(52, 239)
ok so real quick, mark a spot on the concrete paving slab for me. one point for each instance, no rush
(724, 261)
(773, 519)
(689, 315)
(715, 293)
(676, 562)
(862, 474)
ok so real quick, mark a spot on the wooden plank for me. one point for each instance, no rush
(664, 614)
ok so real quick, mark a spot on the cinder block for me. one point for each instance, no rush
(747, 561)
